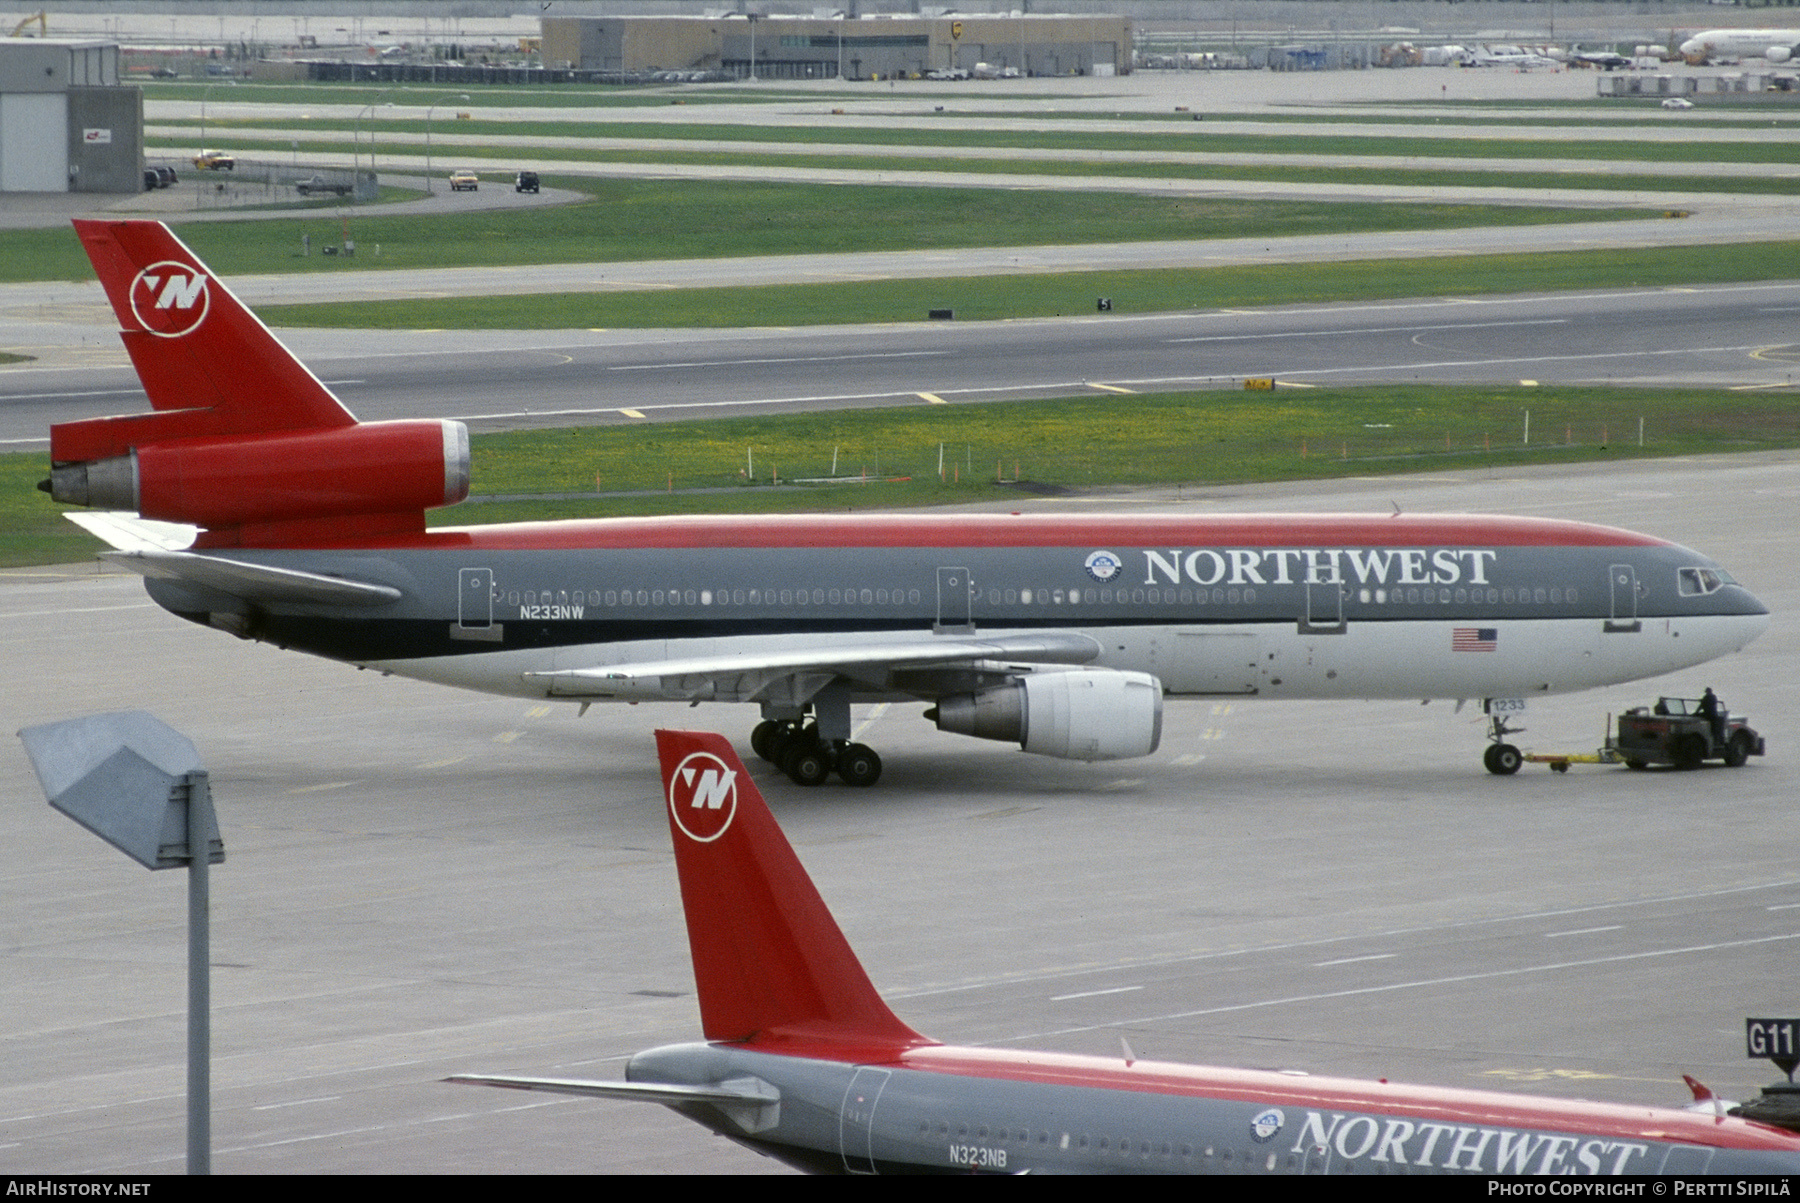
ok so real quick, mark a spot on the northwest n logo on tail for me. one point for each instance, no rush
(170, 299)
(702, 797)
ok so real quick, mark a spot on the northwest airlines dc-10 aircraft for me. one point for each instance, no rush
(263, 508)
(804, 1062)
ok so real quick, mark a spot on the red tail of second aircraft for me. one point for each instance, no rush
(770, 963)
(244, 442)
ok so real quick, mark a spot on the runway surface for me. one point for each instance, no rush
(422, 882)
(1716, 335)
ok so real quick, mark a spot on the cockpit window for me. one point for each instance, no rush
(1696, 582)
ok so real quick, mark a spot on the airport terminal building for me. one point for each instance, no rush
(877, 47)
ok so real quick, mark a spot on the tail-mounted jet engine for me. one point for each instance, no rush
(1085, 714)
(262, 479)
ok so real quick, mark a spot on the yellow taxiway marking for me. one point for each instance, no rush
(1189, 760)
(1545, 1075)
(443, 764)
(1113, 388)
(869, 721)
(538, 711)
(933, 398)
(1006, 812)
(319, 789)
(506, 737)
(632, 413)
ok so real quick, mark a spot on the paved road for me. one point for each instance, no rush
(423, 882)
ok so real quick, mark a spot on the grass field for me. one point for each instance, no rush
(891, 457)
(680, 219)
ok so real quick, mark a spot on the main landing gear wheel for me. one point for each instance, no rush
(773, 741)
(807, 764)
(1502, 760)
(808, 760)
(858, 765)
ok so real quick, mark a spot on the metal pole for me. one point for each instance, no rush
(199, 1074)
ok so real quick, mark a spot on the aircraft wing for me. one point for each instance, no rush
(744, 676)
(253, 582)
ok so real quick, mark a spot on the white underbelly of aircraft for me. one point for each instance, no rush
(1368, 660)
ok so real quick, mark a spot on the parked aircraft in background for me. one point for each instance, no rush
(1511, 56)
(1605, 59)
(306, 529)
(1716, 45)
(805, 1063)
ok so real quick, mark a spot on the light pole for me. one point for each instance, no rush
(751, 17)
(462, 96)
(356, 143)
(206, 93)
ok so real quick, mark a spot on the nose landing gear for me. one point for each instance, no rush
(1502, 758)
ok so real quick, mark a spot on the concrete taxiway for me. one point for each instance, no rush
(422, 882)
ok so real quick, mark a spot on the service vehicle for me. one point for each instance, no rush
(1675, 731)
(525, 181)
(464, 181)
(214, 160)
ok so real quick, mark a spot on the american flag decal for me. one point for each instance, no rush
(1474, 639)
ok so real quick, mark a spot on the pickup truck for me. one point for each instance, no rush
(318, 185)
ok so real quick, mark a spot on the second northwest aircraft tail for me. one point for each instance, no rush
(770, 963)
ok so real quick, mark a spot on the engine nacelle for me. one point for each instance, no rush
(1084, 714)
(215, 483)
(1779, 54)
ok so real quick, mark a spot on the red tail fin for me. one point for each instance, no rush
(204, 359)
(769, 960)
(245, 442)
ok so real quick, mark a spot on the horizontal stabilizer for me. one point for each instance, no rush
(735, 1092)
(253, 582)
(128, 532)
